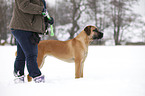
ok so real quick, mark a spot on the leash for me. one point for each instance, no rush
(48, 16)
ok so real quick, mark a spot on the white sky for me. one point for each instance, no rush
(51, 1)
(140, 8)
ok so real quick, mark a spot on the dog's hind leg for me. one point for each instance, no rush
(29, 78)
(40, 60)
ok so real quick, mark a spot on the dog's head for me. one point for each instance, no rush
(93, 32)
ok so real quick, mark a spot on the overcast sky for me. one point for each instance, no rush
(139, 8)
(51, 1)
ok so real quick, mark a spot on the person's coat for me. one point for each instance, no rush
(27, 15)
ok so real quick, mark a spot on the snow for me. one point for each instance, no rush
(62, 32)
(108, 71)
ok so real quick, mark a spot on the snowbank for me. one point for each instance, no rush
(108, 71)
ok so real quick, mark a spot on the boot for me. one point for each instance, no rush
(39, 79)
(19, 79)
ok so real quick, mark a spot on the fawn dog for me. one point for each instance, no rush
(73, 50)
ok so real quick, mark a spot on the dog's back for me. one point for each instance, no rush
(59, 49)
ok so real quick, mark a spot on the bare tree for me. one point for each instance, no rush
(69, 11)
(3, 20)
(95, 13)
(63, 13)
(76, 14)
(96, 10)
(121, 16)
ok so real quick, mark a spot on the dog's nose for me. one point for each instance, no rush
(100, 35)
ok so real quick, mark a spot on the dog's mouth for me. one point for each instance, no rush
(97, 35)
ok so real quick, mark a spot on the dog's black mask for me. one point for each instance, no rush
(99, 34)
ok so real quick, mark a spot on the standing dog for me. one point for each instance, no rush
(74, 50)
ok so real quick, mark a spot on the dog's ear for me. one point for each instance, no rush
(88, 30)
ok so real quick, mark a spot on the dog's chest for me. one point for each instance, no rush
(72, 60)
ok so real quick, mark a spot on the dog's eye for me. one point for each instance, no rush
(95, 30)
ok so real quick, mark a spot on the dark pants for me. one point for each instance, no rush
(26, 51)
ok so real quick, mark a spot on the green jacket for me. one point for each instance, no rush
(27, 15)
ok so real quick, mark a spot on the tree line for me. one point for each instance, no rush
(116, 18)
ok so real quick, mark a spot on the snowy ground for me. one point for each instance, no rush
(109, 71)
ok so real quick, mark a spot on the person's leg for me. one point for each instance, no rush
(30, 50)
(19, 64)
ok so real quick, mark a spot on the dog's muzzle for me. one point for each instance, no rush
(98, 34)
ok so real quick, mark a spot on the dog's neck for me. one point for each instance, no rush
(84, 39)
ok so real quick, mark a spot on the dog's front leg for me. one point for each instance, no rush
(78, 66)
(82, 64)
(77, 69)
